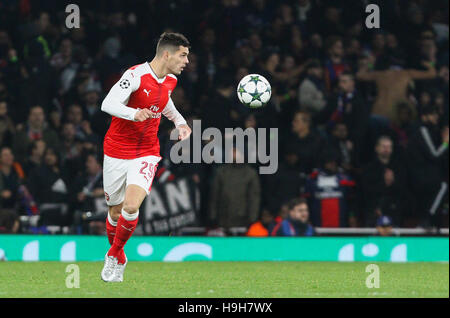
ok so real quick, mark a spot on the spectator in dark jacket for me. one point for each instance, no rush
(287, 183)
(384, 185)
(340, 143)
(335, 65)
(88, 187)
(7, 128)
(36, 128)
(297, 223)
(35, 156)
(346, 106)
(306, 142)
(235, 195)
(427, 161)
(46, 183)
(11, 175)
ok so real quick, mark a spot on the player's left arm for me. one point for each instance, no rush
(174, 115)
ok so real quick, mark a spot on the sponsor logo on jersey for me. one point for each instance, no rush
(147, 91)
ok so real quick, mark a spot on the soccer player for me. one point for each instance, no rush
(131, 145)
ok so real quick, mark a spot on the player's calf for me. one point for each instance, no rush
(125, 227)
(111, 221)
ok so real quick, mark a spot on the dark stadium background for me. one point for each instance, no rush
(54, 79)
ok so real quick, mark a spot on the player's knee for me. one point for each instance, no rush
(114, 212)
(131, 207)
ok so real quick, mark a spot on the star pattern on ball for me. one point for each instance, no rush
(254, 79)
(255, 96)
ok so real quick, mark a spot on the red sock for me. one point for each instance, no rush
(125, 227)
(110, 229)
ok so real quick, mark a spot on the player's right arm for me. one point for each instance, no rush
(117, 98)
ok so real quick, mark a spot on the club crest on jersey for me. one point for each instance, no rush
(147, 91)
(154, 109)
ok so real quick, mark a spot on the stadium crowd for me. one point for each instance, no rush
(362, 113)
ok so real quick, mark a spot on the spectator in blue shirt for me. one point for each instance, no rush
(297, 222)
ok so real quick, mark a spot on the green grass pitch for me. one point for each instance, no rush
(227, 280)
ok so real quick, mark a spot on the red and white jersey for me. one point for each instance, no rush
(138, 88)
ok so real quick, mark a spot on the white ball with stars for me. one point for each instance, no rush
(254, 91)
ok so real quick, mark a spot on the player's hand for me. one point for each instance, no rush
(184, 131)
(143, 114)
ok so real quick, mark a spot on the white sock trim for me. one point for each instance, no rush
(130, 216)
(110, 220)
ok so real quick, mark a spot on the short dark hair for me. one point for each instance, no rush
(297, 201)
(383, 137)
(306, 115)
(347, 73)
(171, 41)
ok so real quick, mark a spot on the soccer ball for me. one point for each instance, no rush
(254, 91)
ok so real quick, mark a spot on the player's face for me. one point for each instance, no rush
(178, 60)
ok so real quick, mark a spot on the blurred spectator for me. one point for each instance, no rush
(403, 123)
(218, 110)
(87, 192)
(63, 57)
(347, 106)
(384, 185)
(285, 184)
(392, 82)
(11, 175)
(9, 222)
(235, 194)
(36, 128)
(427, 162)
(297, 223)
(35, 156)
(264, 226)
(311, 93)
(7, 128)
(384, 226)
(340, 143)
(47, 183)
(307, 143)
(329, 194)
(70, 149)
(335, 63)
(83, 130)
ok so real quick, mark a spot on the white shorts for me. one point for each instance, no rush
(119, 173)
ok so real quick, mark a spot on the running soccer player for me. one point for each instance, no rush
(131, 145)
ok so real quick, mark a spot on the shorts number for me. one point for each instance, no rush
(151, 170)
